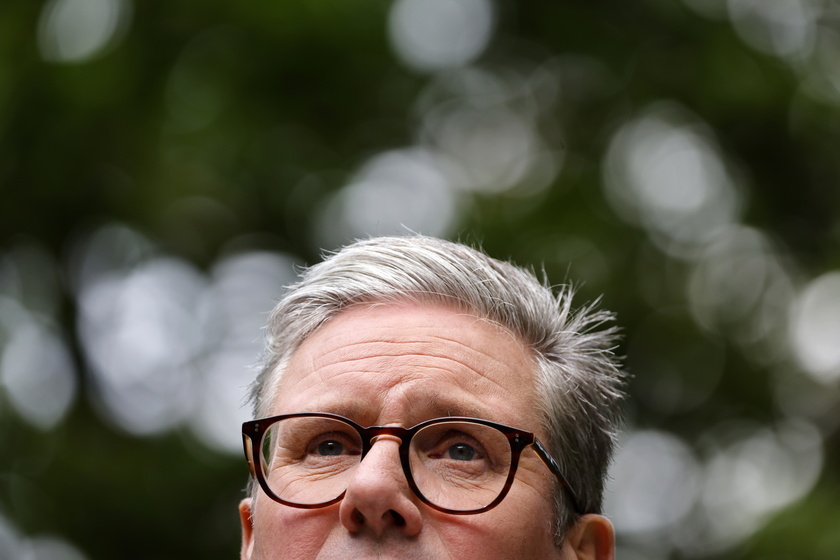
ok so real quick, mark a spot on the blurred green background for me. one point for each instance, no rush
(164, 166)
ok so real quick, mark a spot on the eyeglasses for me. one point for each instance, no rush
(455, 465)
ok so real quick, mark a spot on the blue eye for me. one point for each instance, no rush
(461, 452)
(330, 448)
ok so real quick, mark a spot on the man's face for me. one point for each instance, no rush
(398, 365)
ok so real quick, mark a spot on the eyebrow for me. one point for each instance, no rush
(437, 406)
(423, 407)
(354, 409)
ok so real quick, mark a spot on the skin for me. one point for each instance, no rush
(400, 365)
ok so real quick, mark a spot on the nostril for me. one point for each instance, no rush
(398, 519)
(358, 517)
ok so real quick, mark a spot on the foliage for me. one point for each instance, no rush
(678, 157)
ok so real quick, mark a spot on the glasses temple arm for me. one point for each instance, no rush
(552, 464)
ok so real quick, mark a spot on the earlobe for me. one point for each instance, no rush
(592, 538)
(246, 520)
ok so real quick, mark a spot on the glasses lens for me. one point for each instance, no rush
(460, 466)
(309, 460)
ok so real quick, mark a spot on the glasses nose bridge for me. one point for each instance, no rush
(375, 433)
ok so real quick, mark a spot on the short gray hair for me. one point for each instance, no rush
(577, 376)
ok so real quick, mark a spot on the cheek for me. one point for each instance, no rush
(291, 534)
(519, 527)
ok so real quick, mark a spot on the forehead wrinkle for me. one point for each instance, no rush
(495, 371)
(362, 345)
(408, 348)
(400, 396)
(523, 352)
(401, 374)
(523, 370)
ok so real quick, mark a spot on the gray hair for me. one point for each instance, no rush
(577, 375)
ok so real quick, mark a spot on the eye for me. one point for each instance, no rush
(330, 448)
(461, 452)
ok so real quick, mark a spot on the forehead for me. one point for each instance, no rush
(405, 363)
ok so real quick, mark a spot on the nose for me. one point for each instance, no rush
(378, 499)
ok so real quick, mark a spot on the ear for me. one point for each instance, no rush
(245, 511)
(592, 538)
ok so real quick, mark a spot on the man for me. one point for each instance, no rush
(420, 400)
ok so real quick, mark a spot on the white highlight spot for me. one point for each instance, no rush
(664, 173)
(395, 192)
(655, 476)
(78, 30)
(431, 35)
(815, 328)
(38, 373)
